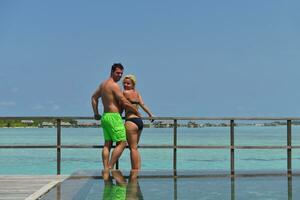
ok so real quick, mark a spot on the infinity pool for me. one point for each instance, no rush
(161, 185)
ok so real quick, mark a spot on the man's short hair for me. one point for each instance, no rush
(115, 66)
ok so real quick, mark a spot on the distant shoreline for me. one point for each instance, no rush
(167, 125)
(156, 124)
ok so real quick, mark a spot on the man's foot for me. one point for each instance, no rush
(105, 174)
(118, 176)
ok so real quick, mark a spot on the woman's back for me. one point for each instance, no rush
(133, 97)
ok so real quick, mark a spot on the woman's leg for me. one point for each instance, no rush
(138, 140)
(132, 139)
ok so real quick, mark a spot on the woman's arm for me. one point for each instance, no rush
(144, 107)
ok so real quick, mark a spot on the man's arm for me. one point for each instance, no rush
(95, 100)
(126, 104)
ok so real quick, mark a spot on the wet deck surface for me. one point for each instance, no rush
(17, 187)
(91, 185)
(150, 185)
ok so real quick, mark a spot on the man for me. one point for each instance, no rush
(111, 121)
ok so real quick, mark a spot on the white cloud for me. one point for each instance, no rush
(50, 102)
(14, 89)
(7, 103)
(38, 107)
(55, 107)
(47, 105)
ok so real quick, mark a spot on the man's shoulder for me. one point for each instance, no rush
(108, 83)
(112, 86)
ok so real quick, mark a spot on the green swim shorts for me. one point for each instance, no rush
(114, 192)
(113, 127)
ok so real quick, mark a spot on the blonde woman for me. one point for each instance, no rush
(133, 123)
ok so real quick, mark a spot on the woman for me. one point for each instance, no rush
(133, 123)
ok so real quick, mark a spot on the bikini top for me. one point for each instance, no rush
(134, 101)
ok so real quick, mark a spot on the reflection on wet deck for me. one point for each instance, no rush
(160, 185)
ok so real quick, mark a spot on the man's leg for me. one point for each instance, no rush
(117, 152)
(105, 154)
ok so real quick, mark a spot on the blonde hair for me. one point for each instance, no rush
(131, 77)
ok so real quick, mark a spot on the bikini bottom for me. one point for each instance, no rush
(137, 121)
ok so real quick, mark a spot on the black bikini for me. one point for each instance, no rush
(134, 102)
(138, 121)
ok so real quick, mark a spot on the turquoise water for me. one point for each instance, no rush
(43, 161)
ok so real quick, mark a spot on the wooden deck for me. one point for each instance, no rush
(17, 187)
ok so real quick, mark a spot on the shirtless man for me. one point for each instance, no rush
(113, 127)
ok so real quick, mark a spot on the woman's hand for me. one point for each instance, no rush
(150, 118)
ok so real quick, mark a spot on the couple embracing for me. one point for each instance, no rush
(114, 101)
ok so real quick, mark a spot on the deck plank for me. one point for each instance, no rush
(27, 187)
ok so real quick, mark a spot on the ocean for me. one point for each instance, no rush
(43, 161)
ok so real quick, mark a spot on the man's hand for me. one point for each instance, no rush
(97, 116)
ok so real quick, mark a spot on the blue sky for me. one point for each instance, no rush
(191, 58)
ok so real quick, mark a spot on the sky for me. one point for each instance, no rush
(192, 58)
